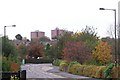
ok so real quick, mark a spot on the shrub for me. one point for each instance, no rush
(88, 70)
(73, 62)
(9, 65)
(5, 64)
(56, 62)
(100, 72)
(81, 69)
(74, 69)
(14, 67)
(72, 66)
(115, 73)
(63, 66)
(94, 69)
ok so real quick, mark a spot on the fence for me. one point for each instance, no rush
(20, 75)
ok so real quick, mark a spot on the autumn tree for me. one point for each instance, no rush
(61, 44)
(76, 51)
(22, 50)
(102, 53)
(36, 50)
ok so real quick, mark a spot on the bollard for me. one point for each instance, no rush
(23, 61)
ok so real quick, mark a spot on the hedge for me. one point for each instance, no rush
(63, 66)
(87, 70)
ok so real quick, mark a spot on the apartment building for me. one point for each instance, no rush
(35, 35)
(58, 32)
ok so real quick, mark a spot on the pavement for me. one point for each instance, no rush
(48, 72)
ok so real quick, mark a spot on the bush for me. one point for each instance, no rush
(74, 69)
(74, 62)
(56, 62)
(9, 65)
(81, 69)
(115, 73)
(14, 67)
(63, 65)
(71, 66)
(88, 70)
(5, 64)
(100, 72)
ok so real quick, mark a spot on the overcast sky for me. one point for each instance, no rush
(44, 15)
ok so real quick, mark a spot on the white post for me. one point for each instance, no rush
(23, 61)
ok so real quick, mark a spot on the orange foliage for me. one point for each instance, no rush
(102, 53)
(15, 67)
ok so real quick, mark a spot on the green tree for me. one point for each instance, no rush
(89, 36)
(22, 50)
(8, 47)
(44, 39)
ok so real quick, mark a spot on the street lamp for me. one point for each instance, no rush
(5, 29)
(115, 32)
(5, 34)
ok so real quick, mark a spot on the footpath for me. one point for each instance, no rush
(49, 72)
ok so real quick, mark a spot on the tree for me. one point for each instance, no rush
(102, 53)
(44, 39)
(52, 52)
(61, 43)
(89, 36)
(36, 50)
(8, 47)
(18, 37)
(22, 50)
(76, 51)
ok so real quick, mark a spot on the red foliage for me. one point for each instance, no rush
(76, 51)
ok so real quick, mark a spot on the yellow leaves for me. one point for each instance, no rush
(77, 34)
(102, 53)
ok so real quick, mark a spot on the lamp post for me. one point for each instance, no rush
(5, 29)
(115, 32)
(5, 34)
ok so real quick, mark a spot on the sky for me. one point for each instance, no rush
(46, 15)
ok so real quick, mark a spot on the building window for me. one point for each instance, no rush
(37, 34)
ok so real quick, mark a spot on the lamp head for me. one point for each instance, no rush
(13, 25)
(101, 8)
